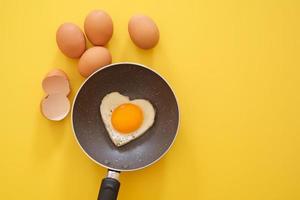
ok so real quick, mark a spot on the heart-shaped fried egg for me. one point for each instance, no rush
(125, 119)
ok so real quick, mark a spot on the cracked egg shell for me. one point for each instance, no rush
(55, 107)
(56, 81)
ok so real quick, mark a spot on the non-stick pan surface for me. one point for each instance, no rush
(135, 81)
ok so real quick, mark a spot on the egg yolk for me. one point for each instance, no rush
(127, 118)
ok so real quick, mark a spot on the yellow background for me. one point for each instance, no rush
(234, 65)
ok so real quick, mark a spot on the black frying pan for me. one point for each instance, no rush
(135, 81)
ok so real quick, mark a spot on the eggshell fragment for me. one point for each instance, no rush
(93, 59)
(143, 31)
(57, 72)
(56, 81)
(70, 40)
(55, 107)
(98, 27)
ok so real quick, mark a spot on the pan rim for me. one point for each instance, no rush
(138, 168)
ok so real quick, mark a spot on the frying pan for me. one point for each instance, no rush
(137, 82)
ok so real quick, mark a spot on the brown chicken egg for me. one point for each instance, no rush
(98, 27)
(56, 81)
(55, 107)
(70, 40)
(93, 59)
(143, 31)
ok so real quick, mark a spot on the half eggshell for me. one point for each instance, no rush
(57, 72)
(56, 81)
(55, 107)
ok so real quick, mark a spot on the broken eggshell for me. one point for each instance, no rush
(57, 72)
(56, 81)
(55, 107)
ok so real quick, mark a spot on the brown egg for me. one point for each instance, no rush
(70, 40)
(55, 107)
(56, 81)
(98, 27)
(143, 31)
(93, 59)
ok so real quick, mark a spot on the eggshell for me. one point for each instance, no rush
(55, 107)
(93, 59)
(56, 81)
(57, 72)
(143, 31)
(70, 40)
(98, 27)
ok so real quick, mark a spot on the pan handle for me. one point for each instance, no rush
(109, 186)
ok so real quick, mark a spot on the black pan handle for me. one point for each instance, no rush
(110, 186)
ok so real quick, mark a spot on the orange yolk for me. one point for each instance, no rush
(127, 118)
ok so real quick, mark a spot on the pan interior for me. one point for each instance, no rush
(136, 82)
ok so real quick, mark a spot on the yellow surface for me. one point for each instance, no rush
(235, 66)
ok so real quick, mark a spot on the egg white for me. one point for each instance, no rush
(115, 99)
